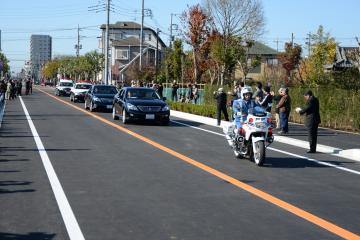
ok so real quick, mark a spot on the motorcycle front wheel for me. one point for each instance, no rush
(258, 156)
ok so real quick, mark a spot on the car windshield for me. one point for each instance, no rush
(105, 90)
(83, 86)
(142, 94)
(66, 84)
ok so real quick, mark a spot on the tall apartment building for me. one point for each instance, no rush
(40, 53)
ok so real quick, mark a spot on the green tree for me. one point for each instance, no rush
(50, 70)
(226, 58)
(323, 51)
(173, 60)
(5, 63)
(176, 59)
(96, 61)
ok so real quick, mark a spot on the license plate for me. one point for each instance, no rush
(260, 125)
(109, 106)
(150, 116)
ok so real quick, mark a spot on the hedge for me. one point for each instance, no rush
(339, 109)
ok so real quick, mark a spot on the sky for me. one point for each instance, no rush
(60, 19)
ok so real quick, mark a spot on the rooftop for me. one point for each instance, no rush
(262, 49)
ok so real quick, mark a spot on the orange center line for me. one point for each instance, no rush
(341, 232)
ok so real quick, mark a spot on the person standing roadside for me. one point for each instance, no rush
(266, 103)
(284, 106)
(259, 92)
(174, 89)
(27, 87)
(31, 84)
(8, 90)
(277, 98)
(188, 95)
(221, 100)
(195, 93)
(19, 87)
(312, 118)
(160, 90)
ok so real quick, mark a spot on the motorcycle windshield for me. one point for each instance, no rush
(257, 111)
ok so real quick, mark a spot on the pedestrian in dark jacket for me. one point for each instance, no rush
(259, 91)
(312, 118)
(160, 90)
(284, 106)
(221, 100)
(174, 89)
(19, 87)
(266, 103)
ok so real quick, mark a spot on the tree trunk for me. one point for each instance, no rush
(195, 67)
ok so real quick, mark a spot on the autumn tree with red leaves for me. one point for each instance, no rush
(290, 59)
(197, 31)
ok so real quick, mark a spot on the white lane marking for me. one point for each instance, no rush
(201, 129)
(278, 150)
(67, 214)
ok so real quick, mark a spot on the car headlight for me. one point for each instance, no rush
(96, 99)
(165, 108)
(131, 107)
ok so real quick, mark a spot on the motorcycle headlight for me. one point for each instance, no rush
(96, 99)
(131, 107)
(165, 108)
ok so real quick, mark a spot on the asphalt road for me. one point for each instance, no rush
(144, 181)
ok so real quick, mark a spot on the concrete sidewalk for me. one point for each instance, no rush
(352, 154)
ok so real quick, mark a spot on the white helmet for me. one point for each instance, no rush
(246, 90)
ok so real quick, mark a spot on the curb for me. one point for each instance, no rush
(2, 109)
(352, 154)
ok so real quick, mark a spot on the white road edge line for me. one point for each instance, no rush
(278, 150)
(67, 214)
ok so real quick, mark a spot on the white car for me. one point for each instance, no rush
(78, 91)
(63, 87)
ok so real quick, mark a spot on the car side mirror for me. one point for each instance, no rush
(164, 98)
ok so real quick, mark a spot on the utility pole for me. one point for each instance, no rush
(292, 39)
(78, 46)
(157, 53)
(107, 43)
(309, 43)
(141, 34)
(277, 44)
(171, 28)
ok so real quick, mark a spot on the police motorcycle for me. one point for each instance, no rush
(251, 135)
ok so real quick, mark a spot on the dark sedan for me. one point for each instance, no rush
(140, 104)
(100, 97)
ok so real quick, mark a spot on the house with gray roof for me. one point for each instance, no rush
(125, 47)
(268, 57)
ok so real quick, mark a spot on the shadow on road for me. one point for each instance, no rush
(21, 149)
(291, 163)
(28, 236)
(15, 184)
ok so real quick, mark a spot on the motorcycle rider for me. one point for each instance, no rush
(242, 106)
